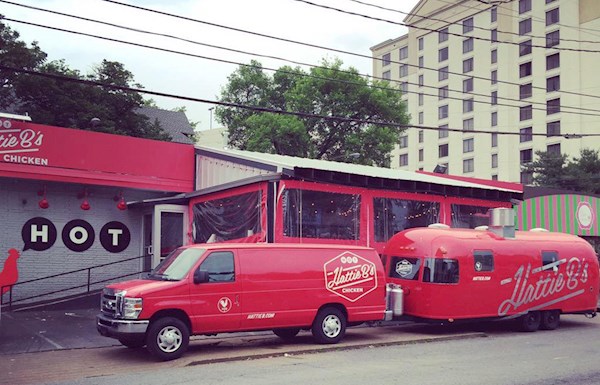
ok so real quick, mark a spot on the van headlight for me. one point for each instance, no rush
(128, 307)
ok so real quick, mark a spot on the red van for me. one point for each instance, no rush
(456, 274)
(216, 288)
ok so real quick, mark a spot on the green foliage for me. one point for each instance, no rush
(70, 104)
(556, 170)
(326, 91)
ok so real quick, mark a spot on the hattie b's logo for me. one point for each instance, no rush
(350, 276)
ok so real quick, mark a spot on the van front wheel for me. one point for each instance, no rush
(167, 338)
(329, 326)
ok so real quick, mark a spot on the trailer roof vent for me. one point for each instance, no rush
(481, 228)
(502, 222)
(539, 230)
(438, 226)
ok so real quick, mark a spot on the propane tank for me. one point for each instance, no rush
(394, 299)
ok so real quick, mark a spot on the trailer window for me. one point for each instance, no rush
(438, 270)
(483, 260)
(549, 257)
(405, 268)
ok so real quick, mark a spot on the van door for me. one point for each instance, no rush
(216, 303)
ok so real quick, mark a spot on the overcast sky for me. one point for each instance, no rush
(201, 77)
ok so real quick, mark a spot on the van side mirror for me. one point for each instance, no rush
(201, 276)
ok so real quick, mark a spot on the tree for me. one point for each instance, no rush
(70, 104)
(344, 96)
(556, 170)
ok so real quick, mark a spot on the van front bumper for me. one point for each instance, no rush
(117, 328)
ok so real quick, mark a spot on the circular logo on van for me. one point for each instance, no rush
(404, 268)
(224, 305)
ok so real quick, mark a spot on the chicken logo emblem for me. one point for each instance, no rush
(10, 273)
(224, 305)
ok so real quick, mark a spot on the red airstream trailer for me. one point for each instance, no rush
(459, 274)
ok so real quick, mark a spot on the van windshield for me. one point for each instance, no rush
(176, 265)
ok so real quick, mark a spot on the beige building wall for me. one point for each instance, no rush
(498, 153)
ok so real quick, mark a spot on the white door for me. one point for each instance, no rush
(169, 230)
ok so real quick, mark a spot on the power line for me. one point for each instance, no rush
(265, 109)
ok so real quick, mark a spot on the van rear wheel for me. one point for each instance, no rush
(329, 326)
(550, 319)
(287, 333)
(167, 338)
(530, 322)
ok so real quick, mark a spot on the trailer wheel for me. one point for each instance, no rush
(287, 333)
(530, 322)
(132, 343)
(167, 338)
(329, 326)
(550, 319)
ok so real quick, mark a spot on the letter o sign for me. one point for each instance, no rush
(78, 235)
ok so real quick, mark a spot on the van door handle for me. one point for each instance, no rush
(237, 300)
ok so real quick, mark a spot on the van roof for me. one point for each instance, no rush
(226, 245)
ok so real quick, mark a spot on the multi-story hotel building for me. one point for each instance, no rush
(489, 83)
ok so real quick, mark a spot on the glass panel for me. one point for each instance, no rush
(469, 217)
(219, 266)
(394, 215)
(320, 214)
(405, 268)
(437, 270)
(171, 232)
(228, 218)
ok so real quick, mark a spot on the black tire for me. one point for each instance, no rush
(132, 343)
(286, 334)
(329, 326)
(167, 338)
(530, 322)
(550, 319)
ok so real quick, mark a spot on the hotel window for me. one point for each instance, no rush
(421, 156)
(494, 138)
(467, 25)
(404, 87)
(550, 1)
(525, 135)
(443, 92)
(467, 65)
(525, 70)
(403, 70)
(552, 38)
(525, 113)
(468, 145)
(494, 160)
(443, 131)
(493, 14)
(467, 105)
(403, 160)
(525, 91)
(403, 142)
(421, 63)
(553, 84)
(421, 81)
(494, 177)
(421, 117)
(494, 36)
(468, 45)
(421, 43)
(494, 77)
(468, 85)
(443, 35)
(526, 156)
(524, 26)
(553, 128)
(468, 165)
(468, 124)
(494, 56)
(443, 112)
(553, 106)
(552, 61)
(387, 75)
(524, 6)
(525, 48)
(494, 98)
(552, 16)
(443, 150)
(386, 59)
(443, 73)
(494, 119)
(443, 54)
(403, 52)
(420, 99)
(526, 178)
(421, 136)
(553, 149)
